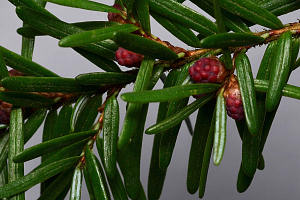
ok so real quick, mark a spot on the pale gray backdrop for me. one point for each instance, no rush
(281, 177)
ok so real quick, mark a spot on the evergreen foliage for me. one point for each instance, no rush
(77, 117)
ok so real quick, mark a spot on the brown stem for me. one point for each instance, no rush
(270, 36)
(191, 55)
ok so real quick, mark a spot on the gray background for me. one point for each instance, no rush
(279, 180)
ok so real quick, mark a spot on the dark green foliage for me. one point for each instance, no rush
(142, 10)
(4, 140)
(51, 145)
(252, 12)
(57, 187)
(22, 99)
(63, 122)
(177, 118)
(170, 94)
(23, 64)
(280, 72)
(87, 113)
(16, 145)
(182, 33)
(144, 46)
(35, 84)
(88, 184)
(36, 176)
(110, 136)
(231, 21)
(130, 122)
(3, 68)
(76, 117)
(246, 83)
(202, 127)
(33, 123)
(65, 152)
(129, 159)
(157, 175)
(243, 181)
(184, 16)
(107, 78)
(130, 140)
(96, 35)
(168, 139)
(220, 129)
(116, 184)
(96, 176)
(49, 128)
(102, 63)
(206, 156)
(87, 5)
(75, 192)
(59, 29)
(225, 40)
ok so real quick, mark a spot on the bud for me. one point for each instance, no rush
(208, 70)
(128, 58)
(14, 72)
(233, 98)
(5, 108)
(116, 17)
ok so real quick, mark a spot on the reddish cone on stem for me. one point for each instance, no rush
(208, 70)
(128, 58)
(116, 17)
(234, 104)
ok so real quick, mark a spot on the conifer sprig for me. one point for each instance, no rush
(76, 117)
